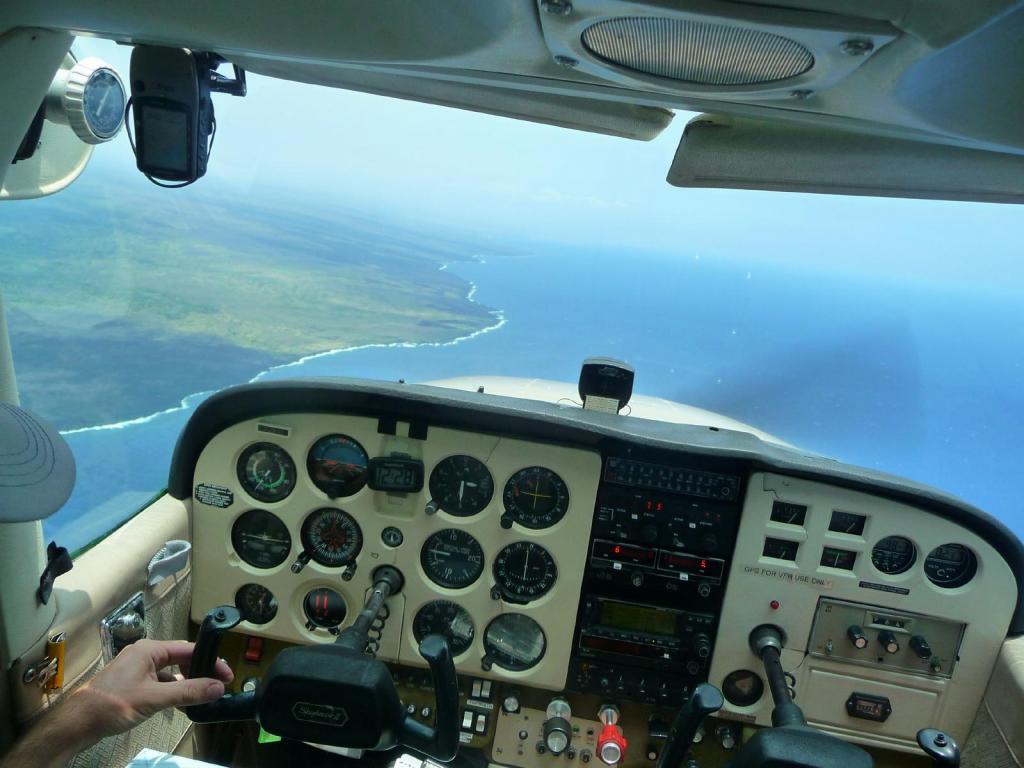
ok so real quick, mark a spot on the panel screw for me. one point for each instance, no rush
(856, 47)
(566, 61)
(556, 7)
(802, 94)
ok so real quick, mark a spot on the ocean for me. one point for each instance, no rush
(923, 382)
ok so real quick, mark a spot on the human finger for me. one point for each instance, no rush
(179, 652)
(185, 693)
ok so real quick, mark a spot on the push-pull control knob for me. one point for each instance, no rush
(857, 637)
(920, 647)
(611, 744)
(557, 727)
(888, 640)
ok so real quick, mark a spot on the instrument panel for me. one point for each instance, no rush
(607, 571)
(292, 514)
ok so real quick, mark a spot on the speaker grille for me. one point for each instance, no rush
(696, 51)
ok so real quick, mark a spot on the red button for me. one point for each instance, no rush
(253, 649)
(775, 605)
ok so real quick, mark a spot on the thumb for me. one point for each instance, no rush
(184, 693)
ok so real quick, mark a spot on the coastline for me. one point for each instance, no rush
(191, 400)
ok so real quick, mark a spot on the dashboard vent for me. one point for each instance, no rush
(695, 51)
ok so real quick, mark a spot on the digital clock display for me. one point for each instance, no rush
(396, 475)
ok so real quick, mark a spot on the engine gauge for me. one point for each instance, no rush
(524, 571)
(448, 619)
(950, 566)
(536, 497)
(331, 537)
(266, 472)
(461, 485)
(261, 539)
(893, 555)
(452, 558)
(338, 465)
(514, 641)
(324, 608)
(256, 603)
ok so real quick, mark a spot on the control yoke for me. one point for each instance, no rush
(336, 694)
(791, 742)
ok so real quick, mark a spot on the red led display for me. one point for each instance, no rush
(625, 553)
(700, 566)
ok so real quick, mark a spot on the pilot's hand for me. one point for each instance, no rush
(137, 685)
(131, 688)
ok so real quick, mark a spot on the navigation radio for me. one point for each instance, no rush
(654, 580)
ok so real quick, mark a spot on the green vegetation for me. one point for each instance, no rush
(120, 303)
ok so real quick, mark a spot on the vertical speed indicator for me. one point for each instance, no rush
(536, 498)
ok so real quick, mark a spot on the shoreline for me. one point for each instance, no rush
(187, 401)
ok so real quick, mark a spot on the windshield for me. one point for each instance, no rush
(345, 234)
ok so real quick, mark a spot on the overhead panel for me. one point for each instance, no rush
(710, 49)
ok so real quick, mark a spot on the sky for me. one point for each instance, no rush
(516, 181)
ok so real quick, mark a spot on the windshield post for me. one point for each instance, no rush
(22, 558)
(8, 383)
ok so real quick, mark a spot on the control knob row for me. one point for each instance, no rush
(889, 641)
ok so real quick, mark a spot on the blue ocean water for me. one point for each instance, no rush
(923, 382)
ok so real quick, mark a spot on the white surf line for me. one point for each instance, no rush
(186, 402)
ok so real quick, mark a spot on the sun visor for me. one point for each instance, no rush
(731, 153)
(37, 470)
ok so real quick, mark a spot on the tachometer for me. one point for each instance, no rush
(338, 465)
(514, 641)
(950, 566)
(256, 603)
(461, 485)
(266, 472)
(524, 571)
(893, 555)
(448, 619)
(536, 497)
(261, 539)
(331, 537)
(452, 558)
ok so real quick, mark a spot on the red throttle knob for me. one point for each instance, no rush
(611, 745)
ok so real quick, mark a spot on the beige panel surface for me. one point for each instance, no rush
(219, 572)
(1004, 699)
(825, 695)
(985, 604)
(102, 579)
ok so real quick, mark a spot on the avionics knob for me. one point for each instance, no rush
(649, 533)
(857, 637)
(888, 641)
(920, 647)
(557, 728)
(702, 645)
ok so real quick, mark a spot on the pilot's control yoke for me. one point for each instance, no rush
(336, 694)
